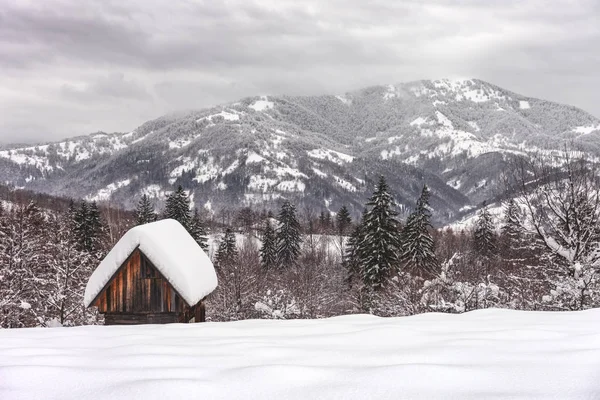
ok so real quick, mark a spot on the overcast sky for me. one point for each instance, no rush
(75, 67)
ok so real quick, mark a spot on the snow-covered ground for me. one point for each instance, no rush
(478, 355)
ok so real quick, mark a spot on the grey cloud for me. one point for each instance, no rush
(114, 85)
(198, 36)
(186, 54)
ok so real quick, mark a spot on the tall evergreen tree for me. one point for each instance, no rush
(268, 250)
(513, 238)
(484, 235)
(418, 248)
(227, 251)
(288, 236)
(380, 245)
(144, 212)
(177, 207)
(511, 229)
(197, 230)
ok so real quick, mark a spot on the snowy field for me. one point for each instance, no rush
(486, 354)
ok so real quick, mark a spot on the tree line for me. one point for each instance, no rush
(538, 251)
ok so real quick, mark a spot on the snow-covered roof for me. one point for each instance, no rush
(171, 249)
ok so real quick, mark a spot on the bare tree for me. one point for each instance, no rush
(560, 196)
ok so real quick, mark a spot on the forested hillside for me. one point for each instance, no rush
(322, 152)
(540, 253)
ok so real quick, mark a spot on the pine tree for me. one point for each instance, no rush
(177, 207)
(268, 250)
(197, 231)
(484, 235)
(513, 238)
(288, 236)
(227, 251)
(380, 245)
(418, 248)
(511, 229)
(144, 213)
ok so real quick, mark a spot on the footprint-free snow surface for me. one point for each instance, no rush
(485, 354)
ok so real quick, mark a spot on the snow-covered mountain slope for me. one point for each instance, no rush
(321, 151)
(469, 219)
(484, 354)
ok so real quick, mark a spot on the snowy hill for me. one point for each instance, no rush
(323, 151)
(477, 355)
(468, 220)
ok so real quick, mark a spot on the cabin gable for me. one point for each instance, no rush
(137, 287)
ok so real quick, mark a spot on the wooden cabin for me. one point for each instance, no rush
(155, 274)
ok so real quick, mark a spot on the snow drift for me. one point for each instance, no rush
(478, 355)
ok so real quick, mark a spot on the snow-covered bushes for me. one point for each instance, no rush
(44, 266)
(277, 304)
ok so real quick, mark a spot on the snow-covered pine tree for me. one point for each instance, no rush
(177, 207)
(268, 250)
(418, 248)
(227, 251)
(380, 245)
(484, 235)
(512, 234)
(288, 236)
(144, 212)
(197, 230)
(23, 251)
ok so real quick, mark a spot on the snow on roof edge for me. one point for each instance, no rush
(182, 262)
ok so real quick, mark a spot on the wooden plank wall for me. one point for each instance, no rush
(138, 287)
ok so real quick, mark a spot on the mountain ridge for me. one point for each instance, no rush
(322, 151)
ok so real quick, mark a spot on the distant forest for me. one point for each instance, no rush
(543, 254)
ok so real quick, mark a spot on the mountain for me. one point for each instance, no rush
(320, 151)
